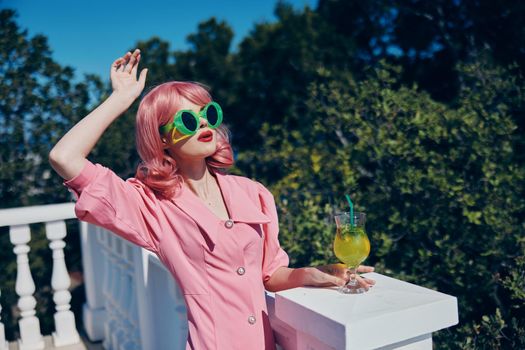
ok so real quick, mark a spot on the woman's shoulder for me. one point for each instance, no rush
(106, 178)
(254, 187)
(239, 180)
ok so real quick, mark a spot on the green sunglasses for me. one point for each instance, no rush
(186, 122)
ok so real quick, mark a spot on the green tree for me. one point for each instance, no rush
(209, 60)
(440, 184)
(38, 103)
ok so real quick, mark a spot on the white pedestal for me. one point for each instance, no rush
(391, 315)
(30, 337)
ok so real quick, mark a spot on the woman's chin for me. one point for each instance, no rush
(199, 151)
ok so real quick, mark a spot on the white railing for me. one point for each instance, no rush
(18, 220)
(132, 301)
(392, 315)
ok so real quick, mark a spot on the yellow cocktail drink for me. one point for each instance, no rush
(351, 245)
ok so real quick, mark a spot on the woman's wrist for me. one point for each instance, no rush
(123, 100)
(306, 276)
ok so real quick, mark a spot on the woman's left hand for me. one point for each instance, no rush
(336, 275)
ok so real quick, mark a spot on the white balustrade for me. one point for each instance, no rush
(18, 220)
(66, 332)
(133, 302)
(143, 306)
(120, 329)
(30, 337)
(94, 311)
(109, 292)
(122, 302)
(131, 340)
(134, 315)
(116, 293)
(392, 315)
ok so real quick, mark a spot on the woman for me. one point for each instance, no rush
(216, 233)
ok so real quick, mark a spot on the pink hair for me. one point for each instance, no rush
(158, 170)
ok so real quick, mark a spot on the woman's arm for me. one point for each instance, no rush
(286, 278)
(319, 276)
(68, 155)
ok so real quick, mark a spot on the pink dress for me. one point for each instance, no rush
(220, 265)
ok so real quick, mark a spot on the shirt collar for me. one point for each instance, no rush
(240, 206)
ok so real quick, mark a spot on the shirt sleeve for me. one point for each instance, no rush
(127, 208)
(274, 256)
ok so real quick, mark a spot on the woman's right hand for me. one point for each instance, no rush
(124, 76)
(68, 156)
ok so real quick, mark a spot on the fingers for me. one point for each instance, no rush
(363, 269)
(131, 67)
(340, 281)
(338, 274)
(127, 63)
(320, 278)
(142, 77)
(328, 279)
(116, 64)
(339, 270)
(119, 64)
(125, 59)
(366, 283)
(136, 65)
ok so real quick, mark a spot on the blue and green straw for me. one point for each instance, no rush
(351, 210)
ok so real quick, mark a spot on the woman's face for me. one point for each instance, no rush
(199, 146)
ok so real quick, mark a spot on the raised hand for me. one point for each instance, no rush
(124, 75)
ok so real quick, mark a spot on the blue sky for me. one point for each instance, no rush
(89, 35)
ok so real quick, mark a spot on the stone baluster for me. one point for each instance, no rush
(94, 313)
(3, 343)
(116, 293)
(101, 235)
(126, 330)
(65, 327)
(126, 336)
(134, 318)
(110, 276)
(30, 336)
(133, 307)
(120, 293)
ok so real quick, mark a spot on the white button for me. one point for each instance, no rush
(241, 271)
(251, 320)
(228, 223)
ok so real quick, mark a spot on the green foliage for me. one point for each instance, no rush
(311, 239)
(38, 104)
(491, 332)
(515, 282)
(439, 183)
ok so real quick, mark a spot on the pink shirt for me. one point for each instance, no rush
(219, 265)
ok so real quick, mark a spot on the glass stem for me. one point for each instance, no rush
(352, 281)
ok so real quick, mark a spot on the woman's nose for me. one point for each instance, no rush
(203, 122)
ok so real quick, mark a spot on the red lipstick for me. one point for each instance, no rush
(205, 136)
